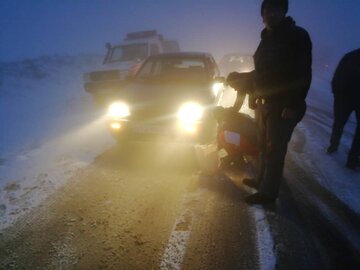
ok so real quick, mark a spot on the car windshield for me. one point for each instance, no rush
(236, 62)
(174, 68)
(128, 52)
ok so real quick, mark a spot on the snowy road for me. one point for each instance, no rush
(131, 213)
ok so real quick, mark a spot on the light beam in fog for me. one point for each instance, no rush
(82, 134)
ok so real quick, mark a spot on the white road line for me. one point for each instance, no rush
(176, 248)
(175, 251)
(264, 239)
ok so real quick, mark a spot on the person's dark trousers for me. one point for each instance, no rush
(355, 147)
(342, 112)
(277, 134)
(260, 118)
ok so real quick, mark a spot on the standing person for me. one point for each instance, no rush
(346, 90)
(282, 79)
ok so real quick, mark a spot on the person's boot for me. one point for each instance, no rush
(331, 149)
(259, 198)
(251, 182)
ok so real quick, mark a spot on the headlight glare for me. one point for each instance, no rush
(217, 87)
(190, 112)
(118, 110)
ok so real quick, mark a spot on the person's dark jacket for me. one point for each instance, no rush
(283, 65)
(346, 79)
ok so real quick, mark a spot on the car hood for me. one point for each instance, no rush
(134, 93)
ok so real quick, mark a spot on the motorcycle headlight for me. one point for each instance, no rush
(118, 110)
(217, 87)
(190, 112)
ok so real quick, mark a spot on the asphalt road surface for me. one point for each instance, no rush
(148, 207)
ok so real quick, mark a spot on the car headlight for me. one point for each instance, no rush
(118, 110)
(217, 87)
(190, 113)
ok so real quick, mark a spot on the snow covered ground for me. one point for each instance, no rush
(50, 128)
(329, 170)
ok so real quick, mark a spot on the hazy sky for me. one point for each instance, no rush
(38, 27)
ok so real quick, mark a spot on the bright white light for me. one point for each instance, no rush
(190, 128)
(190, 113)
(217, 87)
(118, 110)
(115, 125)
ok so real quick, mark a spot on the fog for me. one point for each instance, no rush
(35, 28)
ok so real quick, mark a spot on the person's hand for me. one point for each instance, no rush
(252, 102)
(288, 113)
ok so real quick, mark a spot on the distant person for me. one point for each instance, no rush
(282, 79)
(346, 90)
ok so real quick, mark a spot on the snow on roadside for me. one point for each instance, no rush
(49, 129)
(328, 170)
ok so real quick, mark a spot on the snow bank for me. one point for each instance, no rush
(49, 129)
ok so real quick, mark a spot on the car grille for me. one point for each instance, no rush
(159, 115)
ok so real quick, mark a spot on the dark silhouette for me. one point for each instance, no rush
(242, 83)
(346, 90)
(282, 79)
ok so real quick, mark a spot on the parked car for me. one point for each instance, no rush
(170, 96)
(239, 62)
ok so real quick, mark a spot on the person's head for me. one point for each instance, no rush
(273, 12)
